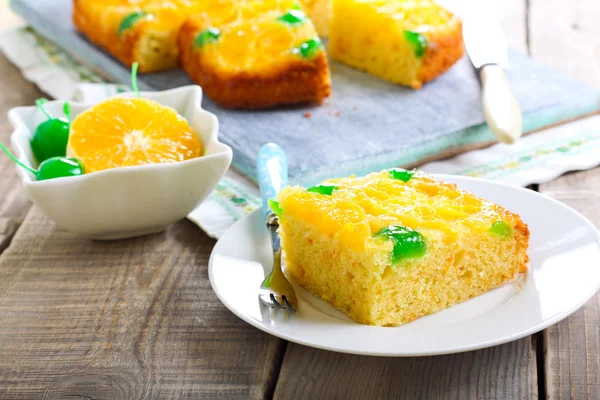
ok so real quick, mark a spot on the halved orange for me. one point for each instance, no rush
(121, 132)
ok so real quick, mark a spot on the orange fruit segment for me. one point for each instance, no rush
(122, 132)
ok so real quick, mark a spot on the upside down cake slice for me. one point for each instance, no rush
(405, 42)
(319, 12)
(393, 246)
(255, 54)
(135, 30)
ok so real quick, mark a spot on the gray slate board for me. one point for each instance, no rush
(367, 124)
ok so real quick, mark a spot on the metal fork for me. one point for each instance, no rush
(276, 289)
(271, 167)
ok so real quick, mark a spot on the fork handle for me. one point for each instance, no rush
(272, 171)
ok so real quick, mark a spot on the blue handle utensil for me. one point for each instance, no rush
(271, 166)
(272, 171)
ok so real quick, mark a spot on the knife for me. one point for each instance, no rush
(488, 52)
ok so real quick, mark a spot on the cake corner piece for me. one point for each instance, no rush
(144, 33)
(407, 43)
(260, 73)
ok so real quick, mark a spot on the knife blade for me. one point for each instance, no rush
(487, 49)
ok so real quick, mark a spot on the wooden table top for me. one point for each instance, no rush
(137, 319)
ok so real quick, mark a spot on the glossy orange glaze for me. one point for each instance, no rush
(361, 207)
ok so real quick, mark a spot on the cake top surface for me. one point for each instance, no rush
(126, 6)
(144, 3)
(123, 15)
(419, 16)
(413, 14)
(358, 208)
(221, 12)
(254, 37)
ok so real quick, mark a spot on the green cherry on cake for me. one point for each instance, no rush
(322, 189)
(54, 167)
(130, 20)
(309, 49)
(51, 136)
(501, 229)
(293, 18)
(402, 174)
(417, 41)
(205, 37)
(408, 243)
(274, 204)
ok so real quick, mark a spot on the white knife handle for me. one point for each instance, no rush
(500, 106)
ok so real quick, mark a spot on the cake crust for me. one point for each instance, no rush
(444, 51)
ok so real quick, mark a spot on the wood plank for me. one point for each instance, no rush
(127, 319)
(13, 202)
(572, 347)
(565, 34)
(501, 372)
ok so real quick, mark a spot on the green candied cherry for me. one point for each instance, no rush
(309, 49)
(417, 41)
(54, 167)
(51, 136)
(408, 243)
(322, 189)
(402, 174)
(59, 167)
(134, 85)
(207, 36)
(501, 229)
(130, 20)
(293, 17)
(274, 204)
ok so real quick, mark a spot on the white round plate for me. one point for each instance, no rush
(564, 272)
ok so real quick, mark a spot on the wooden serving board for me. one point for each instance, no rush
(367, 124)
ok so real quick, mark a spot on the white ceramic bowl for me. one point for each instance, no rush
(129, 201)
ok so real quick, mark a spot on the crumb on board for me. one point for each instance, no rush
(307, 115)
(338, 113)
(354, 108)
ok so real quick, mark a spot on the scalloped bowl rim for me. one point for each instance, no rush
(20, 129)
